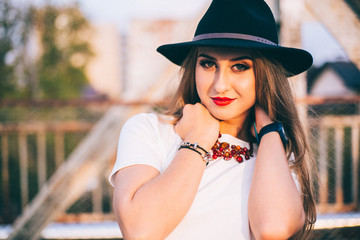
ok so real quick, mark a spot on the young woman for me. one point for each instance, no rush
(230, 160)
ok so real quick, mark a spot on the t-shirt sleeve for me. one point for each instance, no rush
(138, 144)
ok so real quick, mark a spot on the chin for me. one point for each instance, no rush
(228, 114)
(222, 115)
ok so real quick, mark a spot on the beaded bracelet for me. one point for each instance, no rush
(194, 147)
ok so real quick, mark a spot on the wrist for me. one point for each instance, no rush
(275, 127)
(262, 124)
(205, 144)
(195, 147)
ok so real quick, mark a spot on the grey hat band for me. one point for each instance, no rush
(233, 36)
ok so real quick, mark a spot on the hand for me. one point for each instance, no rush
(198, 125)
(261, 119)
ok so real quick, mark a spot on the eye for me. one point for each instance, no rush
(240, 67)
(207, 64)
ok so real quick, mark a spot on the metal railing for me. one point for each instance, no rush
(336, 148)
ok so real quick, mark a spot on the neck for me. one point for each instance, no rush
(236, 127)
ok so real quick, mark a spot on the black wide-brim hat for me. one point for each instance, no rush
(247, 24)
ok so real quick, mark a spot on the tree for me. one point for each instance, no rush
(8, 27)
(64, 34)
(57, 69)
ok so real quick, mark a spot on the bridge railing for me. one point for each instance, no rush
(335, 141)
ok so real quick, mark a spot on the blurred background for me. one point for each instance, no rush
(71, 72)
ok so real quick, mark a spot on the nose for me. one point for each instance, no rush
(221, 82)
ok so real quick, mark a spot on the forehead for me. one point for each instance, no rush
(224, 53)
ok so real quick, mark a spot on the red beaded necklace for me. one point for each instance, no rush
(227, 152)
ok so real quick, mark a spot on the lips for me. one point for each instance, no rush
(222, 101)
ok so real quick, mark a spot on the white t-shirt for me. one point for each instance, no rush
(219, 210)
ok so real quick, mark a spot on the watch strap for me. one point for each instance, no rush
(273, 127)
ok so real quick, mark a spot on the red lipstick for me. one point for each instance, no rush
(222, 101)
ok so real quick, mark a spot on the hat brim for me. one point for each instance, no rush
(294, 60)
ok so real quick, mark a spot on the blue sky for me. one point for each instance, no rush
(120, 11)
(319, 42)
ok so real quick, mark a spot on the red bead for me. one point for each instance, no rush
(227, 151)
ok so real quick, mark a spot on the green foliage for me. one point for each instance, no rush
(57, 70)
(8, 24)
(64, 33)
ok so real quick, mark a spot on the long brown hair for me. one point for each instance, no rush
(274, 95)
(186, 92)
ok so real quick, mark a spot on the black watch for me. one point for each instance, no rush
(274, 127)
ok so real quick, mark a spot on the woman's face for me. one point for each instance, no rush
(225, 82)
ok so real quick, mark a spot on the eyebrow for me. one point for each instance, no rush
(232, 60)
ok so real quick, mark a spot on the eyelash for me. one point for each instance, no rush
(205, 64)
(243, 67)
(209, 64)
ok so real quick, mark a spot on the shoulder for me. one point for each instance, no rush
(150, 118)
(149, 122)
(141, 118)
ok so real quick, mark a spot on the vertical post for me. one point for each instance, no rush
(59, 148)
(23, 154)
(5, 174)
(339, 139)
(355, 162)
(292, 14)
(41, 158)
(97, 197)
(323, 172)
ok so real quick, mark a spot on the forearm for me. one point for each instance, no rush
(154, 209)
(275, 206)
